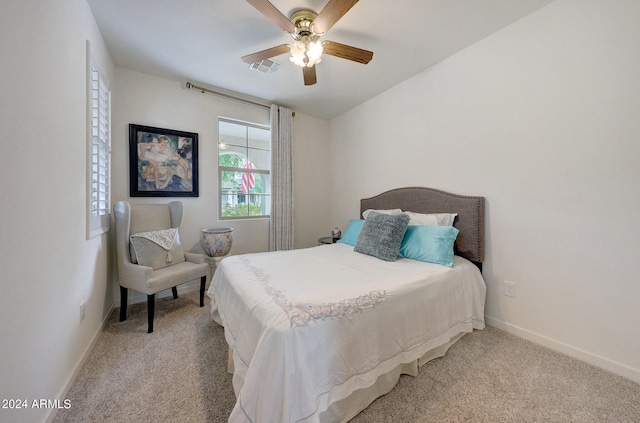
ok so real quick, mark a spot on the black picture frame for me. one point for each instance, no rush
(162, 162)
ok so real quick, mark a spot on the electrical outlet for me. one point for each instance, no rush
(82, 310)
(510, 289)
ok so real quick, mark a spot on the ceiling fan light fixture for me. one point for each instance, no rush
(314, 52)
(306, 53)
(306, 27)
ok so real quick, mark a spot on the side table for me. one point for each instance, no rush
(325, 240)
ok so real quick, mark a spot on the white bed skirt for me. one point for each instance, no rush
(347, 408)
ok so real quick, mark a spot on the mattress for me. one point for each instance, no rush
(311, 329)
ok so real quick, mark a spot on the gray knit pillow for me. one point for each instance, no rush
(381, 235)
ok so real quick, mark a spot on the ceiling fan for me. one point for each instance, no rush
(306, 27)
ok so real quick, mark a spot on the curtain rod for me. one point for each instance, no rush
(203, 90)
(195, 87)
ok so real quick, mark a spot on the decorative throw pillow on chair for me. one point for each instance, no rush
(157, 249)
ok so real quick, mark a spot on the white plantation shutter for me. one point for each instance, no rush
(100, 147)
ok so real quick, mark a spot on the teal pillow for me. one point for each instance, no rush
(433, 244)
(381, 235)
(350, 235)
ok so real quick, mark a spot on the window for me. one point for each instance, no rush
(244, 169)
(99, 146)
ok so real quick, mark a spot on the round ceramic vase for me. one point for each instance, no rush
(216, 242)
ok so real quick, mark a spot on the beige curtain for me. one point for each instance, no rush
(281, 228)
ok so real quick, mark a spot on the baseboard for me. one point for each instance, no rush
(593, 359)
(67, 386)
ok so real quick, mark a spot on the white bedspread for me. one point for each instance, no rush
(309, 327)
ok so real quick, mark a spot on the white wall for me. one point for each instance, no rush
(144, 99)
(47, 266)
(542, 119)
(312, 189)
(149, 100)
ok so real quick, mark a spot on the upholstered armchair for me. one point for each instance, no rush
(149, 254)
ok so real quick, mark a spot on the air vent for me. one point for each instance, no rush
(265, 66)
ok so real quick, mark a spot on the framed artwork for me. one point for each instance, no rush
(163, 162)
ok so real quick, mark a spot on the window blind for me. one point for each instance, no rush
(100, 178)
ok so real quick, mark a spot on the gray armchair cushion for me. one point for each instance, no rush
(381, 235)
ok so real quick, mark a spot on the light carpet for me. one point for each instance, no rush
(178, 374)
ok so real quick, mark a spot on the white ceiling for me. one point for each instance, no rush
(202, 41)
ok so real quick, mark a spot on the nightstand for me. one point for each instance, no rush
(325, 240)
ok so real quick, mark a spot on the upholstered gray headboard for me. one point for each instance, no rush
(470, 210)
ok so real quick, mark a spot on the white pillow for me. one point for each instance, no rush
(432, 219)
(390, 211)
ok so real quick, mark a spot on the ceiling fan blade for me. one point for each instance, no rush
(347, 52)
(266, 54)
(272, 13)
(331, 14)
(309, 74)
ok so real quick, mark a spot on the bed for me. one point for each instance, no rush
(317, 334)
